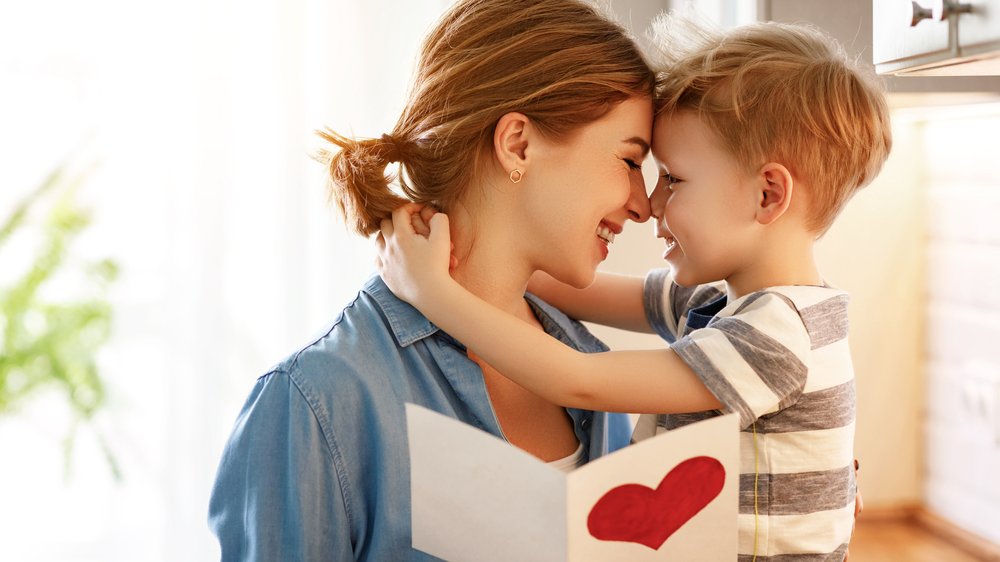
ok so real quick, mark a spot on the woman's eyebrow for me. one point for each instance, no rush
(642, 144)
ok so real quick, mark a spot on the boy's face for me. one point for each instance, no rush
(703, 204)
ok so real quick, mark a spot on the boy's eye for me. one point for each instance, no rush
(671, 180)
(632, 164)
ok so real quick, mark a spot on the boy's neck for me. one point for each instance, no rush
(789, 263)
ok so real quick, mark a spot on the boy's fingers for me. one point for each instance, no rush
(439, 226)
(380, 241)
(401, 216)
(427, 212)
(419, 226)
(422, 219)
(385, 228)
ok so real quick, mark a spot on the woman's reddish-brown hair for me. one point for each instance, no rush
(561, 63)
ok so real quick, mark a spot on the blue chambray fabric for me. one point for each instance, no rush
(317, 466)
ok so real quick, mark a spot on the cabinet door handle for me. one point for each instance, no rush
(919, 13)
(940, 10)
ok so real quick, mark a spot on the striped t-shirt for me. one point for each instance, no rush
(779, 358)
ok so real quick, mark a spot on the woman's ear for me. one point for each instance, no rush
(775, 187)
(510, 141)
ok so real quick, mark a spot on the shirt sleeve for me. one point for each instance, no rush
(277, 495)
(661, 310)
(667, 304)
(754, 360)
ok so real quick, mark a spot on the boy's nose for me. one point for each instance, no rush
(658, 198)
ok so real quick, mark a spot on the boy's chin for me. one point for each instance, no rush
(686, 279)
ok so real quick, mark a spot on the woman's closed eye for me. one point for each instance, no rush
(632, 164)
(671, 180)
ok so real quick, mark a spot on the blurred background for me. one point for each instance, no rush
(165, 238)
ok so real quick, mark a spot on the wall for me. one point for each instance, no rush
(875, 252)
(962, 421)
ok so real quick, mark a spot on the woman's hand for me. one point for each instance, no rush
(414, 251)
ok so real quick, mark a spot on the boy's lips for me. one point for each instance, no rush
(671, 244)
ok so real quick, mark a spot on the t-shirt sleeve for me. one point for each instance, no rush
(662, 311)
(666, 303)
(754, 360)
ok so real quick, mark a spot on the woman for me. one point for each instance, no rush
(527, 122)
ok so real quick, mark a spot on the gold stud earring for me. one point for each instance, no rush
(515, 175)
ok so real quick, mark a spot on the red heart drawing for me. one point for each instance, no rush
(636, 513)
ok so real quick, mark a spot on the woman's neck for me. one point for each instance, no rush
(488, 264)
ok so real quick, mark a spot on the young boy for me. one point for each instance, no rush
(761, 136)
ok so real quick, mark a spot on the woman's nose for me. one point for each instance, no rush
(637, 204)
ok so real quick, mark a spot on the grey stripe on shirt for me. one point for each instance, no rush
(835, 556)
(780, 369)
(829, 408)
(716, 382)
(826, 321)
(656, 282)
(798, 493)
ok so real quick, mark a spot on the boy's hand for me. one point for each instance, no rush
(421, 220)
(859, 504)
(411, 262)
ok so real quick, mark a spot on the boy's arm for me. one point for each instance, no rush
(653, 381)
(416, 270)
(612, 300)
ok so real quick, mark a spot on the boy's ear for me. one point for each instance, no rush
(510, 141)
(774, 192)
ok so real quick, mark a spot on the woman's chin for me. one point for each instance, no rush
(577, 280)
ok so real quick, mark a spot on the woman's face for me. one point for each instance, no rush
(584, 188)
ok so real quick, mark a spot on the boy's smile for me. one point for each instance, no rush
(671, 244)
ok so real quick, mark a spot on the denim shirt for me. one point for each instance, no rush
(317, 466)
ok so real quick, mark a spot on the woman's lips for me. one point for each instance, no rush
(605, 233)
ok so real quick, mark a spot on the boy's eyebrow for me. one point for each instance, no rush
(642, 144)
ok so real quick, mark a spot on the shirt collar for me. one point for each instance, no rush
(409, 325)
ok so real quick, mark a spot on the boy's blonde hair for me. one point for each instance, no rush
(783, 93)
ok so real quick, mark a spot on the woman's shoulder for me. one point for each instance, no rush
(361, 335)
(356, 358)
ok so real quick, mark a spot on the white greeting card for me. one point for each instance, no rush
(477, 498)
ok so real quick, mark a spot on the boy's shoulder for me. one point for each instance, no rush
(798, 297)
(821, 309)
